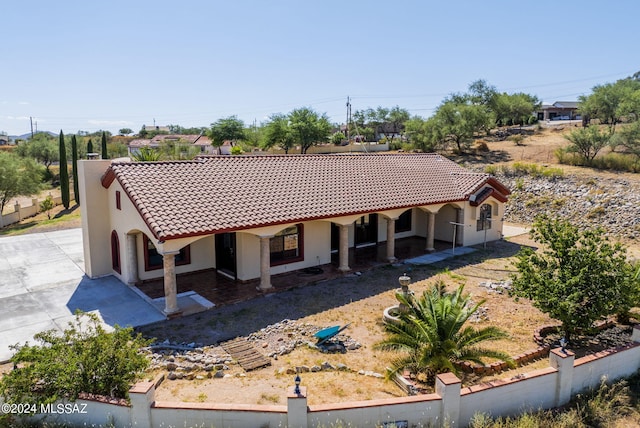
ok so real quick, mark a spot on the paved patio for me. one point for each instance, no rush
(42, 283)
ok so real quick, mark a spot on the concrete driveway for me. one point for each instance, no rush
(42, 283)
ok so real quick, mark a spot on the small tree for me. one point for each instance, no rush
(578, 276)
(588, 142)
(83, 358)
(146, 154)
(230, 128)
(90, 146)
(308, 127)
(47, 205)
(277, 132)
(103, 142)
(74, 165)
(337, 138)
(125, 131)
(64, 174)
(18, 177)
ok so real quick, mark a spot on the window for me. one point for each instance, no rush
(153, 259)
(115, 251)
(286, 246)
(403, 223)
(118, 205)
(484, 222)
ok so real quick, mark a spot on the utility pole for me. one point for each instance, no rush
(348, 118)
(31, 121)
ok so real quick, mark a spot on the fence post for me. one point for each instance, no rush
(142, 395)
(297, 408)
(635, 334)
(36, 204)
(448, 387)
(16, 208)
(562, 360)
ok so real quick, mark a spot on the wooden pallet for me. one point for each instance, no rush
(245, 354)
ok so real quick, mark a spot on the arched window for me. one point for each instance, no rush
(484, 222)
(115, 251)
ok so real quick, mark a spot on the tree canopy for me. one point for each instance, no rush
(610, 102)
(577, 277)
(83, 358)
(277, 132)
(226, 129)
(18, 177)
(43, 148)
(382, 120)
(308, 127)
(588, 141)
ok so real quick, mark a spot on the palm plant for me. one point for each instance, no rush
(432, 337)
(146, 154)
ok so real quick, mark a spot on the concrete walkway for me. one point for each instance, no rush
(42, 283)
(428, 259)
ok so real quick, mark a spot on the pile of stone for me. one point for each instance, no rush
(283, 337)
(195, 361)
(326, 366)
(499, 287)
(609, 202)
(189, 361)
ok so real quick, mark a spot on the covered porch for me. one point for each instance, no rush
(220, 290)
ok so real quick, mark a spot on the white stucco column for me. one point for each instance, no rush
(431, 230)
(170, 286)
(460, 234)
(344, 248)
(132, 258)
(265, 263)
(391, 240)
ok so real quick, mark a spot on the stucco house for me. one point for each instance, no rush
(201, 142)
(249, 217)
(560, 110)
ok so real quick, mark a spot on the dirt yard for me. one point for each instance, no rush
(360, 301)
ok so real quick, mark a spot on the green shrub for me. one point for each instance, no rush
(83, 358)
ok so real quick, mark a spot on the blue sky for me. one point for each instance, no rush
(90, 65)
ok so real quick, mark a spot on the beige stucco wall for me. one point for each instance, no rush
(474, 237)
(95, 214)
(202, 257)
(317, 251)
(443, 230)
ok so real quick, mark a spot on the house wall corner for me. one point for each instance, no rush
(96, 218)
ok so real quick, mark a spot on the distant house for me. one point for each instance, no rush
(201, 142)
(560, 110)
(249, 217)
(4, 140)
(155, 128)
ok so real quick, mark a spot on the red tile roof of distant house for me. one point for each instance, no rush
(225, 193)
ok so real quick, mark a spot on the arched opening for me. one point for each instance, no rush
(115, 252)
(484, 219)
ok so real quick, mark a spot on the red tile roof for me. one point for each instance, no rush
(225, 193)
